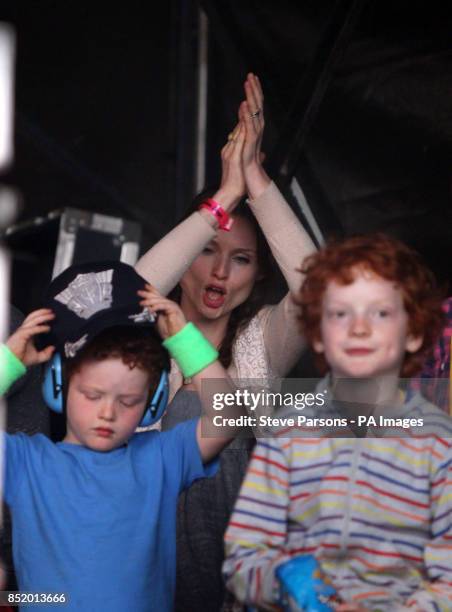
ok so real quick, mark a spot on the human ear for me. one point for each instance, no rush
(413, 343)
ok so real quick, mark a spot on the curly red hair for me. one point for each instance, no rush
(388, 258)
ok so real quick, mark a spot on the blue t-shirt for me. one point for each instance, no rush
(97, 526)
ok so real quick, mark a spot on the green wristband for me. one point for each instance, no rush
(11, 368)
(191, 350)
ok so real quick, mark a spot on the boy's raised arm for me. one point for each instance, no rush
(212, 440)
(19, 351)
(197, 359)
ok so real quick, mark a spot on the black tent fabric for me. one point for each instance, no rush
(358, 108)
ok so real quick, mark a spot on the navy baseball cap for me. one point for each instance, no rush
(90, 297)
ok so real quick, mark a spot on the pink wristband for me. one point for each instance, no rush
(224, 220)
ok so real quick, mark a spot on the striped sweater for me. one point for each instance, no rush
(376, 513)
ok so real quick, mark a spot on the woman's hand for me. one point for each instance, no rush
(251, 113)
(232, 187)
(170, 318)
(241, 156)
(21, 341)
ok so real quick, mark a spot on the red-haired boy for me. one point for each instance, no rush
(375, 511)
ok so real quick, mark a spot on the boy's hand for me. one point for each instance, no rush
(21, 341)
(171, 319)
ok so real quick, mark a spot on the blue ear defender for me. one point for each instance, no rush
(158, 403)
(52, 385)
(52, 391)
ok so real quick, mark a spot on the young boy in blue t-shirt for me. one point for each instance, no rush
(94, 515)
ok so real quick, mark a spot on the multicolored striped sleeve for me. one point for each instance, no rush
(257, 533)
(436, 594)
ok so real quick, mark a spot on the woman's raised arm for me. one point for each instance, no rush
(288, 240)
(164, 264)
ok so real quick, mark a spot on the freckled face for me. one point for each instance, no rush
(105, 403)
(364, 328)
(223, 275)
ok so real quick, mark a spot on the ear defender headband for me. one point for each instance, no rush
(52, 391)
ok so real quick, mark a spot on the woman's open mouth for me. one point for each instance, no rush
(213, 296)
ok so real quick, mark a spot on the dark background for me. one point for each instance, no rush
(358, 107)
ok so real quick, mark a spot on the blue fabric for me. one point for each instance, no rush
(100, 526)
